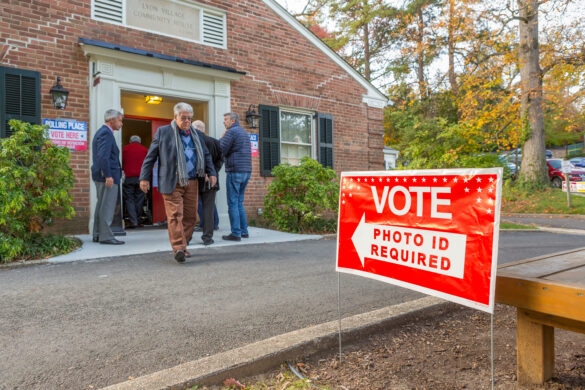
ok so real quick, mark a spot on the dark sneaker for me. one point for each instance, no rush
(231, 238)
(245, 235)
(198, 229)
(180, 256)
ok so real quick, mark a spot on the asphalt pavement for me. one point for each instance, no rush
(96, 323)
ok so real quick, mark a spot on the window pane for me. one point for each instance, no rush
(295, 127)
(292, 154)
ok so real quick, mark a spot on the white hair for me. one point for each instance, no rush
(199, 125)
(135, 139)
(112, 114)
(182, 107)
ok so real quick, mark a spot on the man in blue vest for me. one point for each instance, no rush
(106, 172)
(235, 146)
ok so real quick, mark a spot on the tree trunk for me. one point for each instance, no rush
(533, 158)
(422, 88)
(367, 72)
(451, 47)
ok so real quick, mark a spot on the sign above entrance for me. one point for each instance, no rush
(433, 231)
(71, 134)
(165, 17)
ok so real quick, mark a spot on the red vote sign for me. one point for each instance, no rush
(433, 231)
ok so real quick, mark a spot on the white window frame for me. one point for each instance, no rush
(294, 110)
(201, 8)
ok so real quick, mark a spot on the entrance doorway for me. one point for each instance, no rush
(144, 119)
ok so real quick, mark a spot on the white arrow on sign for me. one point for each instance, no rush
(429, 250)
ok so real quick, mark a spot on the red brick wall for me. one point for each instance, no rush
(283, 68)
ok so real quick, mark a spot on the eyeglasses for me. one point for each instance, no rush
(186, 118)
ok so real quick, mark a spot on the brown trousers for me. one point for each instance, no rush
(181, 210)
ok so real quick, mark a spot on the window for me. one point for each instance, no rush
(287, 135)
(19, 97)
(296, 137)
(178, 19)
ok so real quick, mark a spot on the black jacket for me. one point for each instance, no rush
(216, 156)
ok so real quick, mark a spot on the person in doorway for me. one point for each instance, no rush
(106, 173)
(133, 156)
(209, 220)
(183, 158)
(235, 146)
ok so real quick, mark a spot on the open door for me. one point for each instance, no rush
(158, 207)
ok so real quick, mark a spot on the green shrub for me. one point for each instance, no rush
(302, 198)
(35, 179)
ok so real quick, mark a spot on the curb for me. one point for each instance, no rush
(22, 263)
(266, 354)
(579, 232)
(520, 215)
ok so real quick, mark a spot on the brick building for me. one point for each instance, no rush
(219, 56)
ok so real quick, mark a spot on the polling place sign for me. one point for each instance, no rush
(433, 231)
(69, 133)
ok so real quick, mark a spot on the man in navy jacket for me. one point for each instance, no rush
(106, 173)
(235, 146)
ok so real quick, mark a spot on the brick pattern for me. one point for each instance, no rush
(283, 68)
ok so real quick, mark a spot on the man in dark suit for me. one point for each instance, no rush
(106, 172)
(183, 158)
(207, 210)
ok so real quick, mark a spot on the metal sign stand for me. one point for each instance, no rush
(492, 348)
(339, 311)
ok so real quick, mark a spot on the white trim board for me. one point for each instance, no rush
(373, 97)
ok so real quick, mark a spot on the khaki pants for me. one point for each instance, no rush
(181, 210)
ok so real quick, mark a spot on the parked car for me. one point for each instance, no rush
(578, 161)
(556, 175)
(548, 153)
(512, 162)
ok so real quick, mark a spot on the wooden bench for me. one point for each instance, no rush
(548, 292)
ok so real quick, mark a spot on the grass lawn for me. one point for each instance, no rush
(508, 225)
(547, 201)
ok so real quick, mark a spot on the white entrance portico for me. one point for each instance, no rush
(112, 72)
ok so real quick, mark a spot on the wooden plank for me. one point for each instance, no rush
(576, 276)
(556, 322)
(535, 351)
(557, 299)
(550, 255)
(551, 265)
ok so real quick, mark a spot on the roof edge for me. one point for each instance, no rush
(373, 98)
(151, 54)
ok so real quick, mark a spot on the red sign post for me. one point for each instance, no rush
(433, 231)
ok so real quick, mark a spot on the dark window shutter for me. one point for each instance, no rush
(20, 97)
(325, 130)
(269, 139)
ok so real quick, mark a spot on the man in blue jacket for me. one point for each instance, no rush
(106, 172)
(235, 146)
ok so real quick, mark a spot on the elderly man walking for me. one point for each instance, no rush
(182, 159)
(235, 146)
(106, 173)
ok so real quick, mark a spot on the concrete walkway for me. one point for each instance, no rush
(141, 241)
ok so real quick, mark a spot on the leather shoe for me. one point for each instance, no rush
(96, 239)
(113, 241)
(231, 238)
(208, 242)
(180, 256)
(245, 235)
